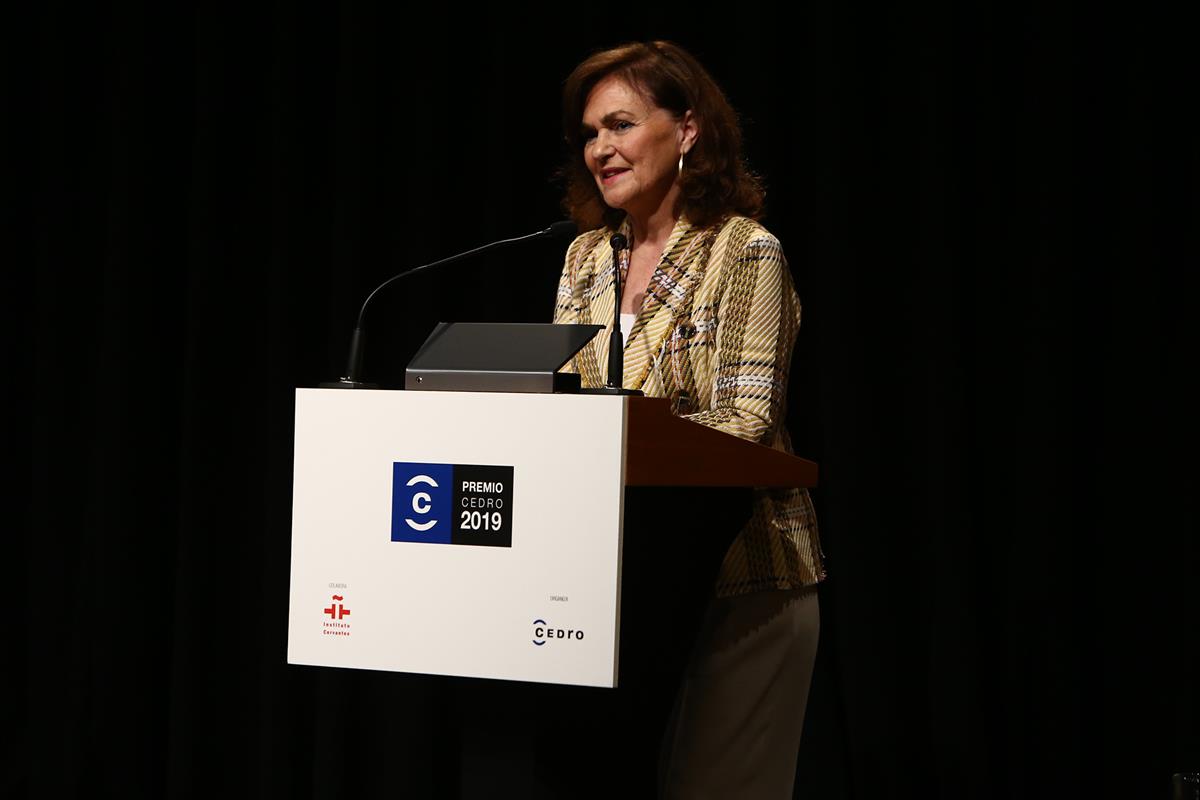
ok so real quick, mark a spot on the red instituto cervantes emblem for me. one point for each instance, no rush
(337, 624)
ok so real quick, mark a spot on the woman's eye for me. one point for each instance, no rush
(622, 125)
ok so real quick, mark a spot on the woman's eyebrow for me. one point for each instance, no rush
(611, 116)
(608, 119)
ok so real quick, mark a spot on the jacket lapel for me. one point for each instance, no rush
(671, 286)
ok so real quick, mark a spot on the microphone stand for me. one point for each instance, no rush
(350, 380)
(616, 340)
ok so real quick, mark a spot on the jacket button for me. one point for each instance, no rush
(687, 331)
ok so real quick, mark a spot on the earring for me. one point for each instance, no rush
(680, 167)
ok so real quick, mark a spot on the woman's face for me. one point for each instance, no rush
(632, 147)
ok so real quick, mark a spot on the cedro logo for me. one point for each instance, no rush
(452, 504)
(543, 632)
(422, 502)
(421, 498)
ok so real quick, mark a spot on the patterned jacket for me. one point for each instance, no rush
(714, 335)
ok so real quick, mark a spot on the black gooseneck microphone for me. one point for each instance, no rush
(616, 340)
(564, 229)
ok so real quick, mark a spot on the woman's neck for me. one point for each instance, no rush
(654, 228)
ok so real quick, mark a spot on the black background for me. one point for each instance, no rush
(484, 534)
(990, 213)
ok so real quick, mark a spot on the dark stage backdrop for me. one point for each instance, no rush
(989, 210)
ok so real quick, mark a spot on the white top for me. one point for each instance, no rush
(627, 326)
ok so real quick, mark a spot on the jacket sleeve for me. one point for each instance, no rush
(564, 300)
(758, 316)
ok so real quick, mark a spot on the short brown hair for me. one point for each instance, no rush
(716, 183)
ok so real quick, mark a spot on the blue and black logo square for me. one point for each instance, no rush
(452, 504)
(421, 502)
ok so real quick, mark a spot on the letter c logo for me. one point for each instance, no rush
(422, 503)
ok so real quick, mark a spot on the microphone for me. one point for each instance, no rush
(616, 341)
(563, 229)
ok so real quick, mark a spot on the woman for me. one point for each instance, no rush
(710, 316)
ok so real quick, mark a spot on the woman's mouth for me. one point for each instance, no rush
(609, 176)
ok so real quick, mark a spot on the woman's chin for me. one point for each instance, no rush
(616, 200)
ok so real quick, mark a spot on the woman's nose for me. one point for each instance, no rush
(601, 145)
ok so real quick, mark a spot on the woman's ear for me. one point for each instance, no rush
(689, 130)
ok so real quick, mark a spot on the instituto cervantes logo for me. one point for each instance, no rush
(337, 623)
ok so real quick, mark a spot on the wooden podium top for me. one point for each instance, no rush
(664, 450)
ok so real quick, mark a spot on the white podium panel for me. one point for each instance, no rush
(458, 534)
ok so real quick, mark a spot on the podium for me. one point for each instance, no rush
(479, 534)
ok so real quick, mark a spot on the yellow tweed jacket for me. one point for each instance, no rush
(714, 335)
